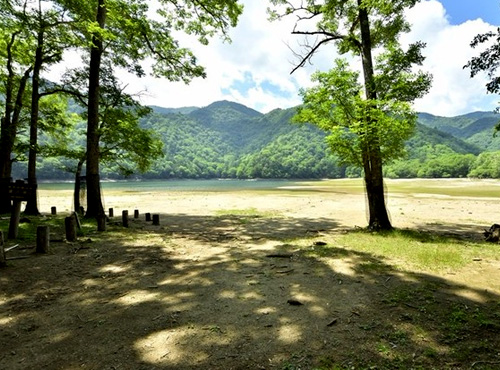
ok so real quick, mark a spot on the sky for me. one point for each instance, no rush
(254, 69)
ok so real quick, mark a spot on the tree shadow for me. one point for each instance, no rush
(235, 293)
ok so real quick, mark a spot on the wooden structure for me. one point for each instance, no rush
(19, 191)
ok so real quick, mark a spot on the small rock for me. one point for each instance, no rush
(294, 302)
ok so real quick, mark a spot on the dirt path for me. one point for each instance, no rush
(236, 281)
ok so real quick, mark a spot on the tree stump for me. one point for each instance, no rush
(156, 219)
(493, 234)
(136, 213)
(125, 218)
(70, 225)
(14, 219)
(42, 239)
(3, 259)
(111, 212)
(53, 211)
(101, 222)
(148, 217)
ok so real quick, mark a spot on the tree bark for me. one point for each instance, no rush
(94, 201)
(372, 158)
(32, 203)
(78, 186)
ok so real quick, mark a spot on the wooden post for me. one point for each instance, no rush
(70, 224)
(111, 212)
(101, 222)
(148, 216)
(42, 239)
(156, 219)
(53, 211)
(3, 260)
(125, 218)
(136, 213)
(14, 219)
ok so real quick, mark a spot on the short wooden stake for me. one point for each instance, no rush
(14, 219)
(111, 212)
(125, 218)
(70, 224)
(53, 211)
(136, 213)
(3, 260)
(42, 239)
(156, 219)
(148, 217)
(101, 222)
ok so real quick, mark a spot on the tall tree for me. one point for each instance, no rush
(124, 30)
(16, 69)
(49, 28)
(123, 144)
(361, 115)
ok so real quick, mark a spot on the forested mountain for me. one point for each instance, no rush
(474, 128)
(229, 140)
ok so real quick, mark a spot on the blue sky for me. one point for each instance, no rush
(460, 11)
(254, 69)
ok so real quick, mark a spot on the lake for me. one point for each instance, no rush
(182, 185)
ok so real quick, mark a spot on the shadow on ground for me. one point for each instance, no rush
(235, 293)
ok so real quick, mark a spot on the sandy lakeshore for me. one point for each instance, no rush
(256, 280)
(348, 209)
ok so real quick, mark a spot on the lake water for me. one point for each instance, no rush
(181, 185)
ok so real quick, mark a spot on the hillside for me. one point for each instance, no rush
(475, 128)
(227, 139)
(230, 140)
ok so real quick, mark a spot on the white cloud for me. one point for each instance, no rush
(448, 51)
(260, 49)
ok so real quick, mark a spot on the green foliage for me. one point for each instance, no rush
(486, 165)
(336, 105)
(208, 143)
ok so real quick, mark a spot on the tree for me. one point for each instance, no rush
(367, 122)
(488, 61)
(17, 67)
(123, 30)
(49, 28)
(124, 144)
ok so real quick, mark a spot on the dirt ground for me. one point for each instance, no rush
(228, 281)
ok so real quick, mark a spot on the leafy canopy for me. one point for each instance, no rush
(358, 120)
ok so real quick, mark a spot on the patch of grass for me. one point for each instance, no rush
(28, 229)
(417, 250)
(247, 212)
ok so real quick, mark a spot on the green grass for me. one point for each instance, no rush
(247, 212)
(409, 250)
(27, 230)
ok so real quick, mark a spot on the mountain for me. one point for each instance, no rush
(229, 140)
(475, 128)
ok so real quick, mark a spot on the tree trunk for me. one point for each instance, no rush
(8, 131)
(32, 204)
(78, 186)
(94, 201)
(372, 158)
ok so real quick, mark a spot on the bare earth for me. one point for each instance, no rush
(218, 285)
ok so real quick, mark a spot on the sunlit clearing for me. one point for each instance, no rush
(137, 296)
(167, 347)
(114, 269)
(473, 295)
(228, 294)
(191, 278)
(251, 295)
(265, 310)
(289, 333)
